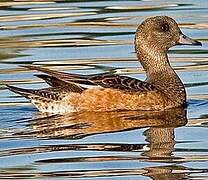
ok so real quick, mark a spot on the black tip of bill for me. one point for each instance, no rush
(197, 43)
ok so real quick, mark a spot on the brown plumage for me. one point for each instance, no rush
(161, 90)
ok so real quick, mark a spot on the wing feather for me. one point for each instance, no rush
(104, 80)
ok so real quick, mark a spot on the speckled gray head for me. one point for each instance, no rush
(161, 33)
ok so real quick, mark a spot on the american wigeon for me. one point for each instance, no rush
(161, 90)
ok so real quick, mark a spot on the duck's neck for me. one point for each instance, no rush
(161, 74)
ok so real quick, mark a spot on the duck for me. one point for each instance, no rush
(162, 89)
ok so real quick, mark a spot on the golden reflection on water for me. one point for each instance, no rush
(88, 123)
(159, 135)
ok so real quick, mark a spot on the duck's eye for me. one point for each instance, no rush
(165, 27)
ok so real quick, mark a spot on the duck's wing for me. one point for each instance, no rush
(103, 80)
(121, 82)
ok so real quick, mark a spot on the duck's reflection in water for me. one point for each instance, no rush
(159, 137)
(79, 125)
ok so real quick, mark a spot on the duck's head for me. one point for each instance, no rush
(160, 33)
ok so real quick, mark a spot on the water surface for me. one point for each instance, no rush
(90, 37)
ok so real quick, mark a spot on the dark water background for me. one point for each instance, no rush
(90, 37)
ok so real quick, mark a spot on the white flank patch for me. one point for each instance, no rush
(89, 86)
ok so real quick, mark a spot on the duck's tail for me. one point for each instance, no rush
(24, 92)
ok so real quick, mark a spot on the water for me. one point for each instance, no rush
(89, 37)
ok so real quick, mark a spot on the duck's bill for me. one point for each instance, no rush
(184, 40)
